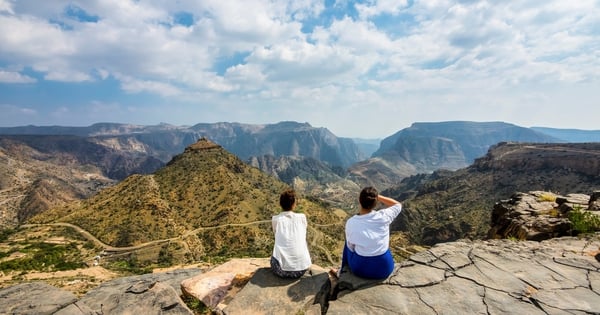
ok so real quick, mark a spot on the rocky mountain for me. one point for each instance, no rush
(311, 177)
(40, 172)
(570, 135)
(204, 204)
(367, 146)
(449, 205)
(426, 147)
(244, 140)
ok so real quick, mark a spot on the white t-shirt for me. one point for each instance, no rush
(290, 247)
(369, 234)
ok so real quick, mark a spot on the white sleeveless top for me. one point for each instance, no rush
(290, 247)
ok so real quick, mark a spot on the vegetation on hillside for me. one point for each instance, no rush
(206, 203)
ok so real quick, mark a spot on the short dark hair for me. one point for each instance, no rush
(287, 199)
(368, 198)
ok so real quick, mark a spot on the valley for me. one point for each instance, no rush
(129, 203)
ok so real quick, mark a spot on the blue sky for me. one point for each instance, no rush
(359, 68)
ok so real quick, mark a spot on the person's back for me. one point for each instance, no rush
(366, 250)
(290, 257)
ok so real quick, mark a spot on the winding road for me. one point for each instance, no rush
(112, 250)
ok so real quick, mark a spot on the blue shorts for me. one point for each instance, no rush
(373, 267)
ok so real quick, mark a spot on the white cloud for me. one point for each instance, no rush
(436, 59)
(133, 85)
(6, 6)
(378, 7)
(15, 77)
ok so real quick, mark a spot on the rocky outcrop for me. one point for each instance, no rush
(538, 215)
(266, 293)
(38, 298)
(157, 293)
(557, 276)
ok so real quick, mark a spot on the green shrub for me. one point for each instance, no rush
(4, 234)
(584, 221)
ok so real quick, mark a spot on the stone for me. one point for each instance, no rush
(156, 293)
(530, 216)
(267, 293)
(496, 276)
(35, 298)
(594, 203)
(557, 276)
(213, 287)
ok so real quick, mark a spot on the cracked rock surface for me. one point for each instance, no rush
(556, 276)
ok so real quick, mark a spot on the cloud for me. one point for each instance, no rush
(414, 59)
(15, 77)
(6, 6)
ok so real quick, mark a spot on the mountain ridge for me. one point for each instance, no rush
(203, 187)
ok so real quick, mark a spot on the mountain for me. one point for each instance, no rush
(206, 202)
(367, 146)
(311, 177)
(426, 147)
(570, 135)
(282, 139)
(41, 172)
(244, 140)
(449, 205)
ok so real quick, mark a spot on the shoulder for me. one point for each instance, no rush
(393, 210)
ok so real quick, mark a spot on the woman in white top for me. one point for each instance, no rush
(367, 247)
(290, 257)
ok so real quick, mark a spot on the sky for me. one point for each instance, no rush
(363, 69)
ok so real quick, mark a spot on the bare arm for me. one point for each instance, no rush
(387, 201)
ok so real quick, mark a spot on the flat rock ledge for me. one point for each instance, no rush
(556, 276)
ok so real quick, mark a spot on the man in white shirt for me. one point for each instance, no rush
(290, 257)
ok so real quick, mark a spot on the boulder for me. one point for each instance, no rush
(594, 203)
(215, 286)
(267, 293)
(535, 216)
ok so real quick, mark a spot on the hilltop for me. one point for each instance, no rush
(190, 203)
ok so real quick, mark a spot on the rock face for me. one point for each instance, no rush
(35, 298)
(558, 276)
(156, 293)
(537, 215)
(146, 294)
(426, 147)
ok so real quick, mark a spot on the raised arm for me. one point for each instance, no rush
(387, 201)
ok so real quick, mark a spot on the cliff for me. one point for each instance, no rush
(557, 276)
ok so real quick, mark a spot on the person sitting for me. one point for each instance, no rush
(367, 249)
(290, 257)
